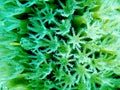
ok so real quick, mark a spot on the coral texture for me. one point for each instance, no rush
(60, 44)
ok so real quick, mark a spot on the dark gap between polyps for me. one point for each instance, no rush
(32, 32)
(51, 76)
(56, 2)
(97, 85)
(23, 1)
(64, 38)
(97, 54)
(87, 39)
(59, 17)
(83, 25)
(79, 12)
(53, 89)
(115, 76)
(51, 25)
(29, 52)
(22, 16)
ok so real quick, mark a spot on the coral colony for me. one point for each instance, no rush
(60, 44)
